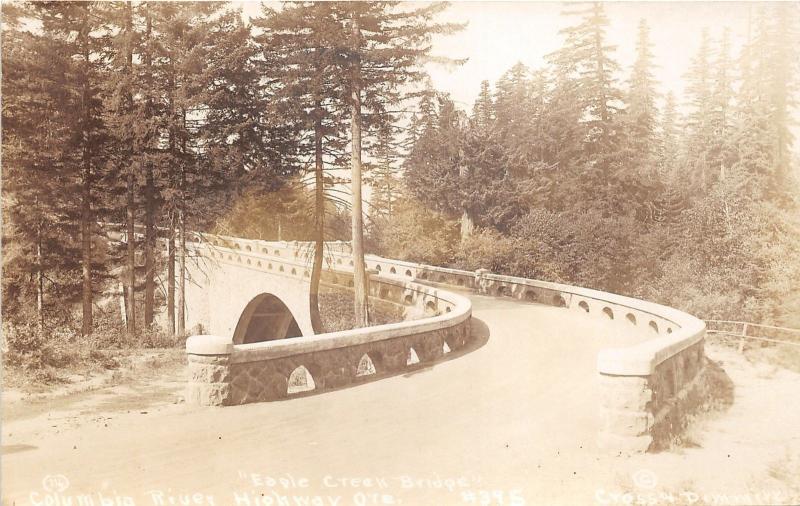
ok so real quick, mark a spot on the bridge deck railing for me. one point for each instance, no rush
(647, 387)
(222, 372)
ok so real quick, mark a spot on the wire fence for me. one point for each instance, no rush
(743, 332)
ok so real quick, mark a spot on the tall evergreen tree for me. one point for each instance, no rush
(386, 49)
(585, 64)
(300, 56)
(699, 127)
(641, 112)
(721, 115)
(483, 112)
(40, 254)
(383, 175)
(76, 30)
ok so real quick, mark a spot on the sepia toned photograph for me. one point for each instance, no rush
(368, 253)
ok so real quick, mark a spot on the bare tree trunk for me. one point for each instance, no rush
(130, 307)
(171, 278)
(181, 271)
(149, 205)
(361, 303)
(86, 202)
(86, 248)
(182, 237)
(39, 278)
(149, 246)
(467, 223)
(131, 251)
(319, 223)
(171, 235)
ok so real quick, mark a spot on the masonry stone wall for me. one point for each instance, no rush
(231, 379)
(643, 413)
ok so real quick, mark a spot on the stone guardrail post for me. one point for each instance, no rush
(644, 406)
(626, 417)
(209, 370)
(479, 274)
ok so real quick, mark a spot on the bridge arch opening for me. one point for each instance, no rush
(265, 318)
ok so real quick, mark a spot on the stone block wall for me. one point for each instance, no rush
(646, 412)
(230, 379)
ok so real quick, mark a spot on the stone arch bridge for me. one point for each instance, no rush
(247, 302)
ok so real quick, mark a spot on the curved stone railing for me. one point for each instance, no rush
(224, 373)
(647, 387)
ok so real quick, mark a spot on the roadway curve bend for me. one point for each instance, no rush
(516, 415)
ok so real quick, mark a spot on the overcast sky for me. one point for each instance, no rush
(499, 34)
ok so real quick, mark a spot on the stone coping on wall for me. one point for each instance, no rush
(640, 359)
(637, 360)
(216, 345)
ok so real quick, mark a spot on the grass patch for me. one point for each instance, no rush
(36, 359)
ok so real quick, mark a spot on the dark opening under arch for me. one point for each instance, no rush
(265, 318)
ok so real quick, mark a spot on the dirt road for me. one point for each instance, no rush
(513, 421)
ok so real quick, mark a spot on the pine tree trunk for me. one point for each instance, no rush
(130, 315)
(149, 203)
(131, 250)
(149, 246)
(171, 235)
(467, 223)
(181, 271)
(86, 204)
(86, 248)
(360, 307)
(39, 278)
(182, 238)
(319, 224)
(171, 278)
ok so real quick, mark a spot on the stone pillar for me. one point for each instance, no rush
(625, 411)
(480, 286)
(209, 370)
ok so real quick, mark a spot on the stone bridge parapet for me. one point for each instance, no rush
(647, 388)
(222, 372)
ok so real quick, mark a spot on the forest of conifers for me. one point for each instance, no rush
(181, 116)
